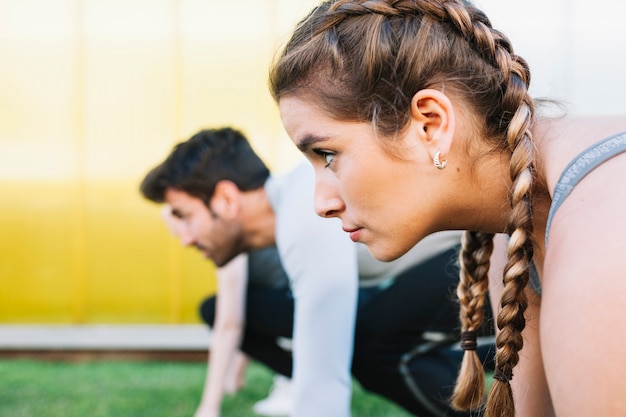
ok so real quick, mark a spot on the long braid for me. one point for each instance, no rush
(510, 319)
(369, 67)
(474, 263)
(515, 102)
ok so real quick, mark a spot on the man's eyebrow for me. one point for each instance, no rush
(306, 142)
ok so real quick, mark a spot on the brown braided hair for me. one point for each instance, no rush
(363, 61)
(474, 262)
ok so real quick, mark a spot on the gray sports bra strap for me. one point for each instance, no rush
(584, 163)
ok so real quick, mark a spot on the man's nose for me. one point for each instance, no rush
(186, 237)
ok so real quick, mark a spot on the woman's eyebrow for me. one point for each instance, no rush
(307, 141)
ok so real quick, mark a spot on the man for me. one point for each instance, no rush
(229, 204)
(253, 310)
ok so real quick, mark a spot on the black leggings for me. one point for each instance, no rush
(406, 339)
(269, 316)
(393, 354)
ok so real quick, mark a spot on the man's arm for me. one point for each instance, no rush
(232, 280)
(227, 333)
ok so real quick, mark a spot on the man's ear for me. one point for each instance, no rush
(225, 202)
(433, 114)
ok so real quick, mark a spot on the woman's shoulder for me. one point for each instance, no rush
(570, 150)
(561, 140)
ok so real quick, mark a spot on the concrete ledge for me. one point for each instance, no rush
(178, 338)
(105, 355)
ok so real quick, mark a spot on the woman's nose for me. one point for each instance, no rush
(328, 203)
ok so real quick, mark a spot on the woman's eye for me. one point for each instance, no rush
(327, 156)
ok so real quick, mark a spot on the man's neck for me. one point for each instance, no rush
(258, 219)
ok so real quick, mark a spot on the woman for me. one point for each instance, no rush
(417, 118)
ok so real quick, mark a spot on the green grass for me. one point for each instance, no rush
(30, 388)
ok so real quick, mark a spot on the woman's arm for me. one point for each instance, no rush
(227, 332)
(584, 295)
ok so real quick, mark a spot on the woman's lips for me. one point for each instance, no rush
(354, 233)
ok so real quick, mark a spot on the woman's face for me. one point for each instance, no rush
(378, 197)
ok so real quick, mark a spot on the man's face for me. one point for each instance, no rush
(196, 225)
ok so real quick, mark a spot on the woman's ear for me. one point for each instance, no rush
(225, 201)
(433, 115)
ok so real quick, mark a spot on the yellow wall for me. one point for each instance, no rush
(93, 93)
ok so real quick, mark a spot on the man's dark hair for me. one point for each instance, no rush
(197, 165)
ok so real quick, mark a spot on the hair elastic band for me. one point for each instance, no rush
(468, 340)
(503, 376)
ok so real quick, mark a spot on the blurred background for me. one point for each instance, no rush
(93, 93)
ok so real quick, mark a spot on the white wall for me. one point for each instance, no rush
(576, 49)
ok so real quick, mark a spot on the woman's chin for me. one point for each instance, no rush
(384, 253)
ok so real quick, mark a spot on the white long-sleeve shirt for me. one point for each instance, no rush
(324, 285)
